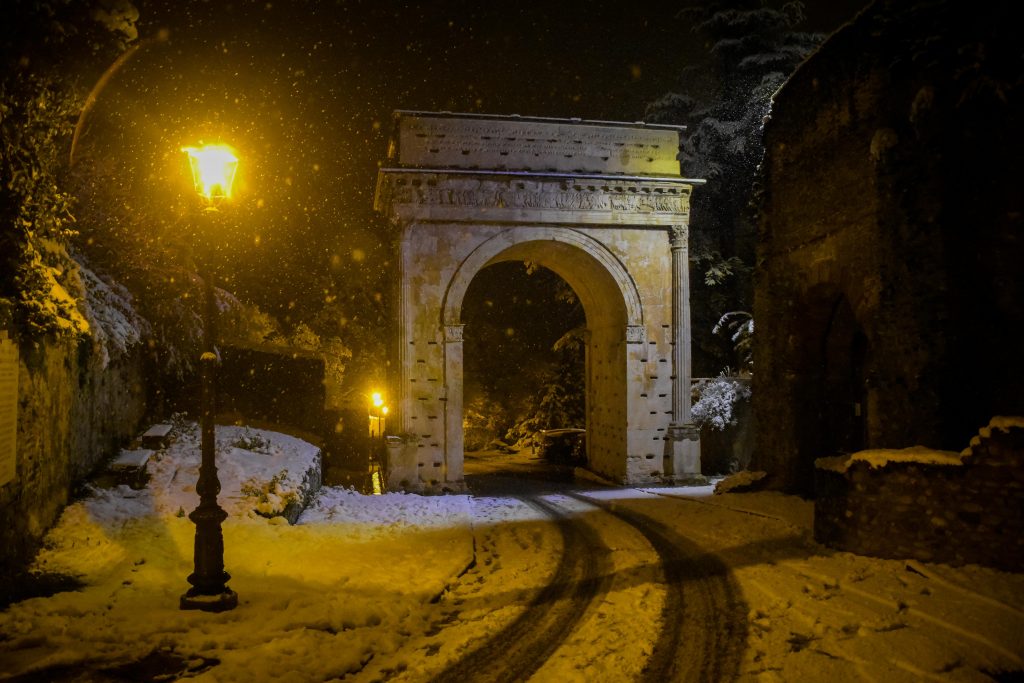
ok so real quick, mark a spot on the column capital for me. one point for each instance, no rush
(678, 235)
(453, 333)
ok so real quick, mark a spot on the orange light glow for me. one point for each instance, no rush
(213, 170)
(377, 399)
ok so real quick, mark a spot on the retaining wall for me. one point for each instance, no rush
(76, 407)
(958, 509)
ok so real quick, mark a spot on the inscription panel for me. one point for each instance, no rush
(638, 200)
(8, 407)
(503, 144)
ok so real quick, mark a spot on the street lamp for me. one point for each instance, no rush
(213, 172)
(378, 411)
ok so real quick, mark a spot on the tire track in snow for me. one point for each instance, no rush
(517, 651)
(704, 619)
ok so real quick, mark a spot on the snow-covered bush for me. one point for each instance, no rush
(336, 355)
(47, 60)
(244, 324)
(252, 441)
(114, 323)
(716, 407)
(36, 118)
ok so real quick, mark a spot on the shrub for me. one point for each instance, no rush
(718, 398)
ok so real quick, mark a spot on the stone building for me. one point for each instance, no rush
(890, 272)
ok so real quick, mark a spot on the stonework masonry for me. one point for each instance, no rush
(595, 204)
(970, 512)
(74, 411)
(888, 270)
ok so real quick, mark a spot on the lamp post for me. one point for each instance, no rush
(213, 172)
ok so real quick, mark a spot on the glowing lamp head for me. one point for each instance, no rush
(213, 170)
(384, 410)
(377, 399)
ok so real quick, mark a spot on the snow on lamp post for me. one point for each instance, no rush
(213, 172)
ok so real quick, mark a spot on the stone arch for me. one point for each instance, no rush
(610, 302)
(513, 243)
(603, 205)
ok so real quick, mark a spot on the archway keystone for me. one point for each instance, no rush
(602, 205)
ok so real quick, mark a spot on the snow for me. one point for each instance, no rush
(1003, 423)
(918, 454)
(109, 308)
(131, 459)
(368, 588)
(739, 480)
(259, 471)
(881, 457)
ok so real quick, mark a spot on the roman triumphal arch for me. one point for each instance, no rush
(603, 205)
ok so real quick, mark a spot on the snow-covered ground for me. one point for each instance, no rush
(350, 592)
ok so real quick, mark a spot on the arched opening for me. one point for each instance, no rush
(609, 301)
(842, 382)
(831, 387)
(523, 360)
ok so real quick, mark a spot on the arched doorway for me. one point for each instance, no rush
(523, 358)
(831, 388)
(578, 261)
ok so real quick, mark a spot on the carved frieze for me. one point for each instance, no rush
(628, 197)
(635, 334)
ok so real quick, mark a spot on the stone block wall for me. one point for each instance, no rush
(884, 287)
(75, 409)
(918, 504)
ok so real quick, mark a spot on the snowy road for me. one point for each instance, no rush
(522, 647)
(533, 577)
(703, 621)
(695, 615)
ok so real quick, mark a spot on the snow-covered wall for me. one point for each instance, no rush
(79, 399)
(937, 506)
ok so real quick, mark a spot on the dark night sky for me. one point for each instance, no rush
(305, 91)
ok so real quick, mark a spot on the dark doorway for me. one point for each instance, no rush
(523, 355)
(831, 396)
(844, 348)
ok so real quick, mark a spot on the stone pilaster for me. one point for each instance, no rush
(453, 450)
(682, 444)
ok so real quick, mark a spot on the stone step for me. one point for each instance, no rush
(157, 436)
(129, 467)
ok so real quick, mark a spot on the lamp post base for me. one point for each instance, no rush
(221, 602)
